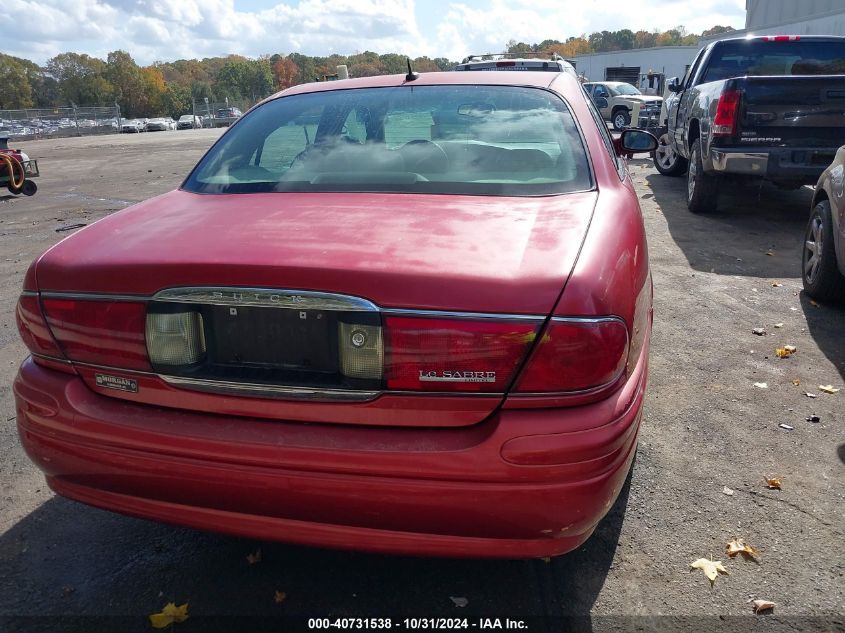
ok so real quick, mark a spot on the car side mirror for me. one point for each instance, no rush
(634, 141)
(601, 102)
(674, 85)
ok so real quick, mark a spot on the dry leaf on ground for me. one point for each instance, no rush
(170, 614)
(828, 388)
(711, 568)
(776, 284)
(762, 605)
(770, 253)
(761, 385)
(279, 597)
(738, 546)
(796, 381)
(810, 395)
(254, 558)
(786, 426)
(774, 482)
(786, 351)
(727, 491)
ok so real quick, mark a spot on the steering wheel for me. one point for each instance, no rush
(421, 155)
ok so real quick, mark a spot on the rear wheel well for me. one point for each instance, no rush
(694, 132)
(819, 196)
(617, 108)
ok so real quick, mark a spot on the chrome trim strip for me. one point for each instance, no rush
(268, 297)
(565, 319)
(92, 296)
(270, 391)
(52, 359)
(29, 293)
(462, 315)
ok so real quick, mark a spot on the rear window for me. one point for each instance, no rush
(484, 140)
(756, 57)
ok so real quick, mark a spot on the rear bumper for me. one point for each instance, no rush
(415, 491)
(787, 164)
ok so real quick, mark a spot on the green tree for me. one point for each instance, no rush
(16, 89)
(125, 75)
(82, 79)
(176, 100)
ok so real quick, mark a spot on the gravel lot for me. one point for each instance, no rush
(706, 427)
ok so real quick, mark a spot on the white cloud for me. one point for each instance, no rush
(163, 29)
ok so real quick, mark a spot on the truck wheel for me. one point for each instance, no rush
(666, 160)
(819, 272)
(621, 119)
(702, 188)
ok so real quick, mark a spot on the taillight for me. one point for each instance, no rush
(107, 333)
(175, 338)
(727, 113)
(575, 355)
(442, 354)
(33, 328)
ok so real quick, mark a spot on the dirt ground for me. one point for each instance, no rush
(706, 427)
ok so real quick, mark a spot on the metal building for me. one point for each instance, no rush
(790, 17)
(635, 65)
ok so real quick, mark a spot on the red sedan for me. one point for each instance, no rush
(397, 314)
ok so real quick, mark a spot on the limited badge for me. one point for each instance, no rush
(117, 382)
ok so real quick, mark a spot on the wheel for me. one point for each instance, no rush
(29, 188)
(819, 272)
(621, 119)
(702, 188)
(666, 160)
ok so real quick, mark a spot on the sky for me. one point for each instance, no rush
(165, 30)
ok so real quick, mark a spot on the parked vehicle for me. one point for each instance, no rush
(762, 108)
(188, 122)
(133, 125)
(823, 260)
(615, 100)
(161, 124)
(358, 336)
(517, 61)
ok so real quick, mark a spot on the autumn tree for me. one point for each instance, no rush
(285, 72)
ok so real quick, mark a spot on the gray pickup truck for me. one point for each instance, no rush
(770, 107)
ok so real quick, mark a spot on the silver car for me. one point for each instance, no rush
(823, 256)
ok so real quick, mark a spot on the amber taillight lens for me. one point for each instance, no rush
(109, 333)
(460, 355)
(575, 355)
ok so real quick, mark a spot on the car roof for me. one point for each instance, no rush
(529, 78)
(607, 83)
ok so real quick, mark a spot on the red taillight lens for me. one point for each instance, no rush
(33, 328)
(575, 355)
(431, 354)
(727, 113)
(99, 332)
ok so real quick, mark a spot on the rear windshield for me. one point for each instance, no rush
(485, 140)
(756, 57)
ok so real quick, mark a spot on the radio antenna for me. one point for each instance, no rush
(411, 76)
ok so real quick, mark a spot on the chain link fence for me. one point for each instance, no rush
(38, 123)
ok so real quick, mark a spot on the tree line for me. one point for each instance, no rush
(168, 88)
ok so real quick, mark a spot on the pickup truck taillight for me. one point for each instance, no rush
(727, 113)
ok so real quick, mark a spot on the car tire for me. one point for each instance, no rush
(621, 119)
(666, 160)
(702, 188)
(819, 271)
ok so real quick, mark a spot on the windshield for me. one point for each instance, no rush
(489, 140)
(758, 57)
(626, 89)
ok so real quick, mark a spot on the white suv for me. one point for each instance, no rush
(516, 61)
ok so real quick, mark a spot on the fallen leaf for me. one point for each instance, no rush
(738, 546)
(279, 597)
(770, 253)
(762, 605)
(727, 491)
(786, 426)
(776, 284)
(828, 388)
(170, 614)
(711, 568)
(786, 351)
(759, 331)
(254, 558)
(778, 325)
(810, 395)
(459, 602)
(761, 385)
(774, 482)
(796, 381)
